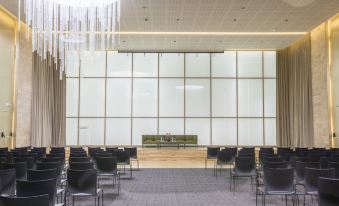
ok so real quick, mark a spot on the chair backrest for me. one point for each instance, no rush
(267, 150)
(312, 177)
(81, 165)
(300, 169)
(50, 165)
(78, 154)
(51, 159)
(81, 181)
(7, 182)
(272, 159)
(328, 190)
(244, 164)
(57, 150)
(133, 151)
(41, 200)
(278, 179)
(20, 169)
(212, 152)
(91, 150)
(247, 150)
(33, 175)
(225, 156)
(26, 188)
(79, 159)
(77, 149)
(106, 164)
(281, 164)
(123, 157)
(29, 160)
(334, 165)
(102, 154)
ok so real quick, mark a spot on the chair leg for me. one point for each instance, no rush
(73, 201)
(102, 197)
(130, 168)
(205, 163)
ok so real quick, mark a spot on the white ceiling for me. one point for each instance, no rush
(215, 16)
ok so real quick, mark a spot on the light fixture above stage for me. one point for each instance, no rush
(60, 25)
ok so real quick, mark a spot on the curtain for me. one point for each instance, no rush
(48, 103)
(294, 95)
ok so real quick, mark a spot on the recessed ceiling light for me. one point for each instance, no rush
(286, 20)
(144, 7)
(178, 19)
(174, 41)
(146, 19)
(234, 20)
(244, 7)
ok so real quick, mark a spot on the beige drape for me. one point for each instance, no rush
(48, 104)
(294, 95)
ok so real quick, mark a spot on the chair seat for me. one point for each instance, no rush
(262, 189)
(243, 174)
(84, 194)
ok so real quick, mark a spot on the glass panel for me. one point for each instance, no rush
(197, 64)
(224, 98)
(72, 63)
(224, 64)
(171, 98)
(250, 98)
(250, 132)
(72, 97)
(200, 127)
(71, 131)
(270, 63)
(92, 97)
(145, 64)
(118, 97)
(171, 125)
(171, 64)
(93, 63)
(118, 131)
(270, 97)
(270, 132)
(143, 126)
(119, 64)
(224, 131)
(197, 97)
(91, 131)
(145, 97)
(249, 64)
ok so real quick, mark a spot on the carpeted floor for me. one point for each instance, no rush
(180, 187)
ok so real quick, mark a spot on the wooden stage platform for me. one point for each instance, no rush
(167, 157)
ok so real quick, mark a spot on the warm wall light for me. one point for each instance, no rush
(6, 19)
(212, 33)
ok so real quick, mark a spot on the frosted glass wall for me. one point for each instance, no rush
(225, 98)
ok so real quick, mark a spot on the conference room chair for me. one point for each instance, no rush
(294, 159)
(312, 176)
(300, 170)
(29, 160)
(57, 150)
(123, 160)
(20, 169)
(102, 154)
(53, 165)
(26, 188)
(7, 182)
(83, 183)
(40, 200)
(243, 167)
(224, 158)
(212, 153)
(3, 150)
(106, 167)
(328, 191)
(91, 150)
(276, 164)
(79, 159)
(112, 150)
(335, 166)
(78, 154)
(277, 181)
(76, 149)
(133, 152)
(81, 165)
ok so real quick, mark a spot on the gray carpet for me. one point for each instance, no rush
(180, 187)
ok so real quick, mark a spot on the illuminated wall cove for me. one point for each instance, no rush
(225, 98)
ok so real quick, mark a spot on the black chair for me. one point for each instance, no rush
(79, 159)
(41, 187)
(82, 183)
(7, 182)
(33, 175)
(51, 159)
(282, 164)
(300, 170)
(312, 178)
(20, 169)
(277, 181)
(212, 153)
(224, 158)
(334, 165)
(123, 159)
(107, 166)
(29, 160)
(41, 200)
(328, 190)
(133, 153)
(78, 154)
(57, 150)
(81, 165)
(243, 167)
(52, 165)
